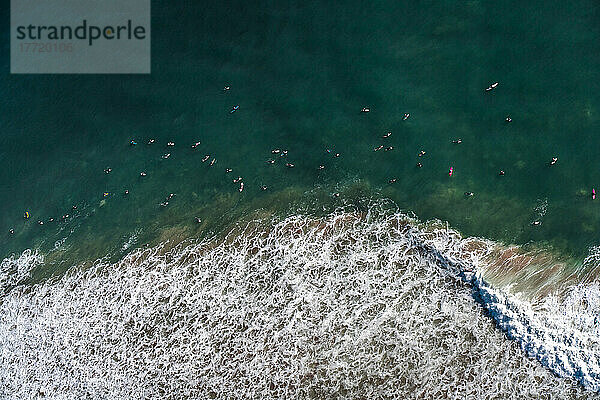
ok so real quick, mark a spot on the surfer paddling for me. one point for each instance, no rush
(492, 87)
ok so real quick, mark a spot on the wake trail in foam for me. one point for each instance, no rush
(346, 306)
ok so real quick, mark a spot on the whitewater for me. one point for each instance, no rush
(349, 305)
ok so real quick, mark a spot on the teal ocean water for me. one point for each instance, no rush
(303, 283)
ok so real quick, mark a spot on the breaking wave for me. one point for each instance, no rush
(16, 270)
(352, 305)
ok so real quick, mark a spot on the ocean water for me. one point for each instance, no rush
(333, 282)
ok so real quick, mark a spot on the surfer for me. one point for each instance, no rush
(492, 87)
(554, 160)
(406, 116)
(457, 141)
(501, 173)
(387, 135)
(508, 118)
(234, 109)
(365, 110)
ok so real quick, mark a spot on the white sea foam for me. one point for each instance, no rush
(16, 270)
(348, 306)
(593, 257)
(131, 240)
(563, 334)
(561, 331)
(541, 207)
